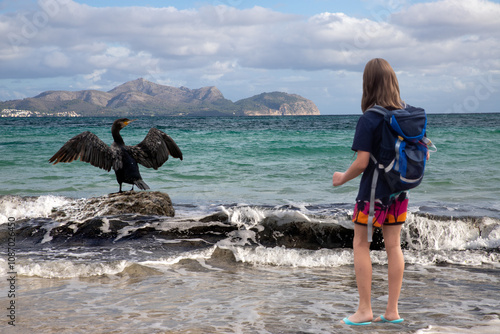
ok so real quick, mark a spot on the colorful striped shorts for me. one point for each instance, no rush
(390, 211)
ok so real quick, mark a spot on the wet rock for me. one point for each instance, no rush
(302, 234)
(216, 217)
(307, 235)
(142, 202)
(131, 202)
(138, 271)
(222, 255)
(273, 232)
(140, 216)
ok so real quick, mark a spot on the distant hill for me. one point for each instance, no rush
(142, 97)
(277, 104)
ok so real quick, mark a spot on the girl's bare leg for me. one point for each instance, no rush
(363, 269)
(396, 266)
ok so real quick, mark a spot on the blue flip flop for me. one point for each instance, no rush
(351, 323)
(397, 321)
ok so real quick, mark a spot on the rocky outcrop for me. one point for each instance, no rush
(277, 104)
(140, 216)
(131, 202)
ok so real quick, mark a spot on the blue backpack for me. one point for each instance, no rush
(403, 151)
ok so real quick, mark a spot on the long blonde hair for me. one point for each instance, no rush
(380, 85)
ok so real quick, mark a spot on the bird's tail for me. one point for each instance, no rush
(141, 184)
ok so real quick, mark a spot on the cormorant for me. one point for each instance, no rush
(152, 152)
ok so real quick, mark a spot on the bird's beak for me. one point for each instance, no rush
(129, 121)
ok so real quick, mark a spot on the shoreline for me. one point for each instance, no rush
(262, 299)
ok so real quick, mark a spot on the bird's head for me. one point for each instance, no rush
(122, 122)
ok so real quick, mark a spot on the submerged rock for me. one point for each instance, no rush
(138, 271)
(131, 202)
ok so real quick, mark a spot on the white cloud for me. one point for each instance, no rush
(56, 59)
(457, 13)
(450, 19)
(95, 76)
(448, 42)
(256, 37)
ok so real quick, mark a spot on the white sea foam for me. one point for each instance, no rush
(292, 257)
(105, 225)
(490, 235)
(28, 207)
(178, 241)
(70, 269)
(251, 216)
(328, 258)
(464, 258)
(49, 227)
(424, 233)
(487, 327)
(245, 216)
(239, 238)
(166, 262)
(249, 219)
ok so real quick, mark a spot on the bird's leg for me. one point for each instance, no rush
(120, 191)
(132, 188)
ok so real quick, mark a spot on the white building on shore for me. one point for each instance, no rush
(29, 113)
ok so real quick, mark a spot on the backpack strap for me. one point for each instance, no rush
(371, 212)
(379, 110)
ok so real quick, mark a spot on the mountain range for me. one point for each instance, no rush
(141, 97)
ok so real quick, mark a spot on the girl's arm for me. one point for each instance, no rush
(357, 167)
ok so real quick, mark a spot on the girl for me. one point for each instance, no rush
(380, 86)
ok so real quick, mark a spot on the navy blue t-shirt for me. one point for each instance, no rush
(367, 138)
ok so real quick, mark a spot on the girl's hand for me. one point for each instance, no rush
(357, 167)
(338, 179)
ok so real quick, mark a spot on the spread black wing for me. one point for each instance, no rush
(155, 149)
(89, 148)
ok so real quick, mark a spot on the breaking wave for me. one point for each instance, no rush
(63, 246)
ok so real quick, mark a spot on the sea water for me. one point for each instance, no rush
(162, 275)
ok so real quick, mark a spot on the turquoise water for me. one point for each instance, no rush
(269, 176)
(262, 161)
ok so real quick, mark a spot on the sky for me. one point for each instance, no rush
(446, 53)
